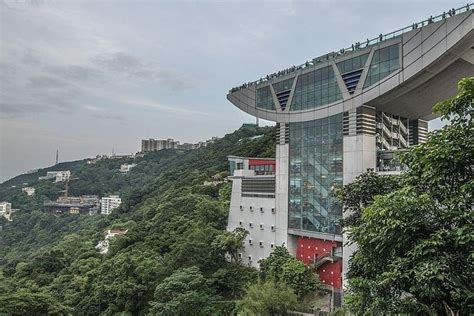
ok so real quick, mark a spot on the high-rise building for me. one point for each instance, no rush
(109, 203)
(337, 116)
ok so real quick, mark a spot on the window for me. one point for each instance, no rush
(261, 226)
(261, 209)
(273, 228)
(241, 208)
(314, 89)
(272, 246)
(240, 223)
(251, 209)
(273, 210)
(315, 167)
(240, 255)
(385, 61)
(250, 225)
(261, 244)
(250, 242)
(265, 98)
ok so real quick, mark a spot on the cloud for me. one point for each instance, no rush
(131, 67)
(103, 114)
(165, 108)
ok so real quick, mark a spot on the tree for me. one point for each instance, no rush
(415, 244)
(361, 192)
(268, 298)
(182, 292)
(231, 243)
(281, 266)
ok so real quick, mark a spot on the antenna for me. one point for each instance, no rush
(57, 156)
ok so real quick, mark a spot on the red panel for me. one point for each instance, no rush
(330, 273)
(258, 162)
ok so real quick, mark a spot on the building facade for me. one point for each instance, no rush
(160, 144)
(29, 191)
(126, 167)
(75, 205)
(341, 114)
(107, 204)
(58, 176)
(6, 210)
(253, 205)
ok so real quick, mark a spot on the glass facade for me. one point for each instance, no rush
(283, 85)
(315, 89)
(315, 170)
(384, 62)
(265, 98)
(352, 64)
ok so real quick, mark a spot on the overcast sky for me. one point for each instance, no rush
(86, 77)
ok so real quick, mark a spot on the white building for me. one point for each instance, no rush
(6, 210)
(58, 176)
(253, 207)
(29, 191)
(125, 168)
(109, 203)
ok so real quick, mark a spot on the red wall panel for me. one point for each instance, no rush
(330, 273)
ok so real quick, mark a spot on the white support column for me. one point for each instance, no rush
(359, 154)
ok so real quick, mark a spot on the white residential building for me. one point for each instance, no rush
(6, 210)
(29, 191)
(109, 203)
(126, 167)
(58, 176)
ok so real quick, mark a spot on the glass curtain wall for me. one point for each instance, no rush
(315, 172)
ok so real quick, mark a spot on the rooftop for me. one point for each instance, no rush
(357, 46)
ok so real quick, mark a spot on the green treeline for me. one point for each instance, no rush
(172, 255)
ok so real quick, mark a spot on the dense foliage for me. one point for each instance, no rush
(415, 244)
(172, 256)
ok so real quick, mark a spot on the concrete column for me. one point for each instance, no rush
(359, 154)
(281, 196)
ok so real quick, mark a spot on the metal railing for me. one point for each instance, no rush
(358, 45)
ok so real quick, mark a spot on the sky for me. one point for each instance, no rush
(89, 77)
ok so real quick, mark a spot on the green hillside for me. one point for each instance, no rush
(49, 264)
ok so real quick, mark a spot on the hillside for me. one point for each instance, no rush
(49, 263)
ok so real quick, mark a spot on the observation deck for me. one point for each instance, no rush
(404, 73)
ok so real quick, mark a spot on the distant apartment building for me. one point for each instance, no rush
(6, 210)
(58, 176)
(126, 167)
(160, 144)
(107, 204)
(78, 205)
(29, 191)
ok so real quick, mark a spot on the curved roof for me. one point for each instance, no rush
(405, 75)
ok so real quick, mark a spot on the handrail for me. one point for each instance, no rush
(358, 45)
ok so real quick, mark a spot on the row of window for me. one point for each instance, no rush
(319, 87)
(262, 227)
(262, 210)
(260, 243)
(250, 257)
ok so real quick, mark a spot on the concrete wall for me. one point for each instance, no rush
(257, 211)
